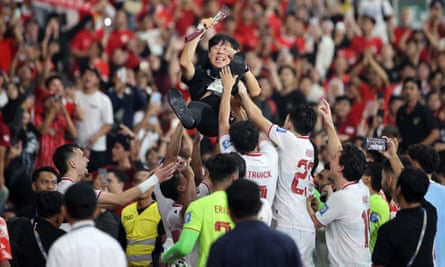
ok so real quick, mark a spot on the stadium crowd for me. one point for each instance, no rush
(107, 92)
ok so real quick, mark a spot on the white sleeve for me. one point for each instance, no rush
(280, 136)
(225, 145)
(268, 149)
(332, 210)
(203, 190)
(56, 257)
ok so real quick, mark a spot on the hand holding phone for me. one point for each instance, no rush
(376, 144)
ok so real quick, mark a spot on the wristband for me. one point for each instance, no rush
(149, 183)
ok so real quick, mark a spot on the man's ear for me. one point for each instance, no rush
(33, 185)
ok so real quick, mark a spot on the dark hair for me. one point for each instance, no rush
(169, 188)
(80, 201)
(413, 183)
(426, 156)
(414, 80)
(316, 159)
(240, 162)
(51, 78)
(37, 172)
(62, 155)
(221, 167)
(244, 136)
(374, 170)
(120, 175)
(353, 161)
(243, 198)
(343, 98)
(303, 118)
(48, 203)
(223, 38)
(289, 67)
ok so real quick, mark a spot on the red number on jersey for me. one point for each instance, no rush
(263, 191)
(219, 225)
(365, 217)
(307, 167)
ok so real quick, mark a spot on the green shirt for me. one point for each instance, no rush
(379, 214)
(209, 216)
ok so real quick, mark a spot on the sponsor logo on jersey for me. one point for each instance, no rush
(324, 209)
(281, 130)
(226, 144)
(374, 217)
(188, 217)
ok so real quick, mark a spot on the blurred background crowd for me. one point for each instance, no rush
(354, 53)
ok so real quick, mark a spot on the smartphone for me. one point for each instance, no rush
(377, 144)
(102, 172)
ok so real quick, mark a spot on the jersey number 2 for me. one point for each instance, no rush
(307, 166)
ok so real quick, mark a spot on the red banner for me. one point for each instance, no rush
(79, 5)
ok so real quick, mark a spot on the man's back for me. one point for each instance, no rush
(85, 245)
(435, 195)
(249, 244)
(208, 216)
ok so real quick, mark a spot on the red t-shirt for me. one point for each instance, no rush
(5, 135)
(83, 40)
(7, 51)
(118, 39)
(5, 247)
(360, 43)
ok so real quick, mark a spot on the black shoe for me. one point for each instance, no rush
(177, 102)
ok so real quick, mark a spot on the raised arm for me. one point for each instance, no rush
(228, 80)
(188, 53)
(252, 110)
(334, 144)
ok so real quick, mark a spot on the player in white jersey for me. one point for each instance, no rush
(296, 159)
(346, 211)
(72, 164)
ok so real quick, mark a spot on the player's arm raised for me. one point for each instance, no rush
(253, 111)
(334, 144)
(228, 80)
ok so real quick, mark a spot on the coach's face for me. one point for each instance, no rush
(221, 54)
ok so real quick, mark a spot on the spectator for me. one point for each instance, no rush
(120, 36)
(248, 243)
(414, 120)
(5, 253)
(84, 245)
(415, 217)
(93, 128)
(32, 238)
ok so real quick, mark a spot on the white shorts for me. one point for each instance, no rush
(305, 241)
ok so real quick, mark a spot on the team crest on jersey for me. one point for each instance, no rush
(188, 217)
(281, 130)
(226, 144)
(324, 209)
(374, 217)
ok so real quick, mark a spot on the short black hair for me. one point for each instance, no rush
(353, 161)
(48, 203)
(224, 38)
(287, 66)
(169, 188)
(221, 167)
(241, 163)
(243, 198)
(51, 78)
(37, 172)
(80, 201)
(120, 175)
(414, 80)
(426, 156)
(374, 170)
(303, 118)
(413, 183)
(244, 136)
(62, 155)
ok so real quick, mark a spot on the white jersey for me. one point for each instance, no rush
(346, 218)
(66, 182)
(99, 111)
(296, 156)
(261, 168)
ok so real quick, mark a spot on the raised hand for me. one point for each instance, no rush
(227, 79)
(325, 111)
(165, 172)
